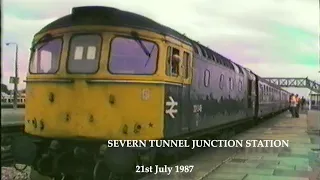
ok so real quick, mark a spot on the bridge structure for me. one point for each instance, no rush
(314, 96)
(295, 82)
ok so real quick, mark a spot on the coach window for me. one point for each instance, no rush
(84, 54)
(221, 81)
(264, 93)
(206, 78)
(173, 61)
(273, 94)
(186, 64)
(267, 90)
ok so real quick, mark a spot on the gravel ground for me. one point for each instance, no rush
(10, 173)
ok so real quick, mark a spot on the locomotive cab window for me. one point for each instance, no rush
(45, 57)
(84, 53)
(131, 56)
(186, 64)
(173, 62)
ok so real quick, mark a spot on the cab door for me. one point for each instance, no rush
(177, 91)
(185, 92)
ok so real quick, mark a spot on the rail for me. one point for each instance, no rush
(8, 133)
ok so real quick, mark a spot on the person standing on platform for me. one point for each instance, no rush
(293, 105)
(297, 106)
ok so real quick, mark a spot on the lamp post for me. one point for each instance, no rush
(15, 90)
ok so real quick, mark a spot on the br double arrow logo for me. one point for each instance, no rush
(172, 107)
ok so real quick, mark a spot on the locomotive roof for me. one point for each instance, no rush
(99, 15)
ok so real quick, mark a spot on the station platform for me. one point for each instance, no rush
(299, 161)
(11, 117)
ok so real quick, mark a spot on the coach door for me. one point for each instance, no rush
(254, 96)
(252, 93)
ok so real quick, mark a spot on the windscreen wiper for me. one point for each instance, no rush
(147, 62)
(136, 37)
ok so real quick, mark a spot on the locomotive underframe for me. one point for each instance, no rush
(92, 158)
(78, 158)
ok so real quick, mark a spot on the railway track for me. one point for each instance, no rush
(8, 133)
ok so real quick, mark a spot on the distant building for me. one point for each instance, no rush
(4, 95)
(8, 98)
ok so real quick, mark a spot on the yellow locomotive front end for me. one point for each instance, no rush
(101, 74)
(97, 82)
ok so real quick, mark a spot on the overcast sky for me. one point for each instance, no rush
(274, 38)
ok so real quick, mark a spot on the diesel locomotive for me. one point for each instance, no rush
(101, 73)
